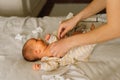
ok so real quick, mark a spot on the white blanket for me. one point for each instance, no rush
(104, 62)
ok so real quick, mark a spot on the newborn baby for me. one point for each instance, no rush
(36, 49)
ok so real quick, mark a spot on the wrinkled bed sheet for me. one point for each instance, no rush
(104, 63)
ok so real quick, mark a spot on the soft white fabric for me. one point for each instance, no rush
(103, 64)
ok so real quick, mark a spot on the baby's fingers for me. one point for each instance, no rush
(36, 66)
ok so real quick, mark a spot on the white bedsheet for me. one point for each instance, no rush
(104, 62)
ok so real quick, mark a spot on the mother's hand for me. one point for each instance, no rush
(60, 48)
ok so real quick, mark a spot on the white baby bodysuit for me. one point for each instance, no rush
(80, 53)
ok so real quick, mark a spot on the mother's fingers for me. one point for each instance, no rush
(59, 56)
(53, 49)
(63, 33)
(60, 32)
(55, 54)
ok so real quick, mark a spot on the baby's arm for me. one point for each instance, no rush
(47, 65)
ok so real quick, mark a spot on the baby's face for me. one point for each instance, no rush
(39, 47)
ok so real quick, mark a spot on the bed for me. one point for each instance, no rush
(103, 64)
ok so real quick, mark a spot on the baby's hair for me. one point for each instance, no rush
(28, 50)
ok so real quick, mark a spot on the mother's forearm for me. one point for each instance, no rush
(101, 34)
(94, 7)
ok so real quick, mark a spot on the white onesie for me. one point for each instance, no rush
(80, 53)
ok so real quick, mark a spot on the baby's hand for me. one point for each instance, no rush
(36, 66)
(47, 37)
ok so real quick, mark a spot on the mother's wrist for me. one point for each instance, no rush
(77, 18)
(72, 42)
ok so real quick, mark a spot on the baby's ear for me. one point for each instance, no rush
(36, 52)
(92, 27)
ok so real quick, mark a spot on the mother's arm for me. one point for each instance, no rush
(110, 30)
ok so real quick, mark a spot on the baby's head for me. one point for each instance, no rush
(33, 49)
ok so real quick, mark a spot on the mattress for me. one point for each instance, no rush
(103, 64)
